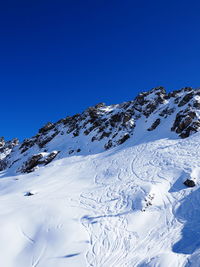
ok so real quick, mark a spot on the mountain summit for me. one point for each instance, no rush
(114, 186)
(102, 127)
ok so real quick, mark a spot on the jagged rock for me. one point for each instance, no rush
(100, 105)
(94, 138)
(27, 143)
(50, 157)
(187, 89)
(42, 141)
(49, 126)
(3, 164)
(116, 118)
(126, 118)
(105, 134)
(38, 159)
(174, 93)
(31, 163)
(189, 183)
(196, 104)
(86, 132)
(2, 142)
(147, 102)
(123, 139)
(76, 133)
(185, 99)
(93, 112)
(166, 112)
(186, 122)
(154, 125)
(108, 145)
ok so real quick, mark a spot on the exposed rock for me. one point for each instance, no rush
(108, 145)
(27, 143)
(100, 105)
(126, 117)
(28, 194)
(31, 163)
(189, 183)
(174, 93)
(2, 142)
(123, 139)
(105, 134)
(116, 118)
(49, 126)
(185, 99)
(50, 157)
(186, 122)
(196, 104)
(154, 125)
(166, 112)
(43, 140)
(3, 164)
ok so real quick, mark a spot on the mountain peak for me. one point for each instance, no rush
(102, 127)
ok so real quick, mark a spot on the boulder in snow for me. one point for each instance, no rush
(189, 183)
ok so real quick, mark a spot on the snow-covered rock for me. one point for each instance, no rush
(102, 127)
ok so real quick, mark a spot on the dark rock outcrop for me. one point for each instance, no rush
(189, 183)
(154, 125)
(49, 126)
(186, 123)
(32, 163)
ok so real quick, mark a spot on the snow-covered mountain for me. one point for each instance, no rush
(105, 188)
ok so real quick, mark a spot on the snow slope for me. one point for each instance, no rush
(122, 207)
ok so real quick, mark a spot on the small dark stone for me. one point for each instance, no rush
(28, 194)
(189, 183)
(93, 138)
(108, 145)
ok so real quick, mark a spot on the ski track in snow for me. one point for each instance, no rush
(111, 243)
(115, 209)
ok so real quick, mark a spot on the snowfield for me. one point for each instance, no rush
(123, 207)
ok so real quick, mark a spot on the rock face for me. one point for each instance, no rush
(37, 160)
(5, 149)
(102, 127)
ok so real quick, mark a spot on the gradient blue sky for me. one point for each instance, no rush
(59, 57)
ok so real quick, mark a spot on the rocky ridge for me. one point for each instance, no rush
(102, 127)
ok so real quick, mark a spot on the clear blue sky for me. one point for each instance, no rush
(59, 57)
